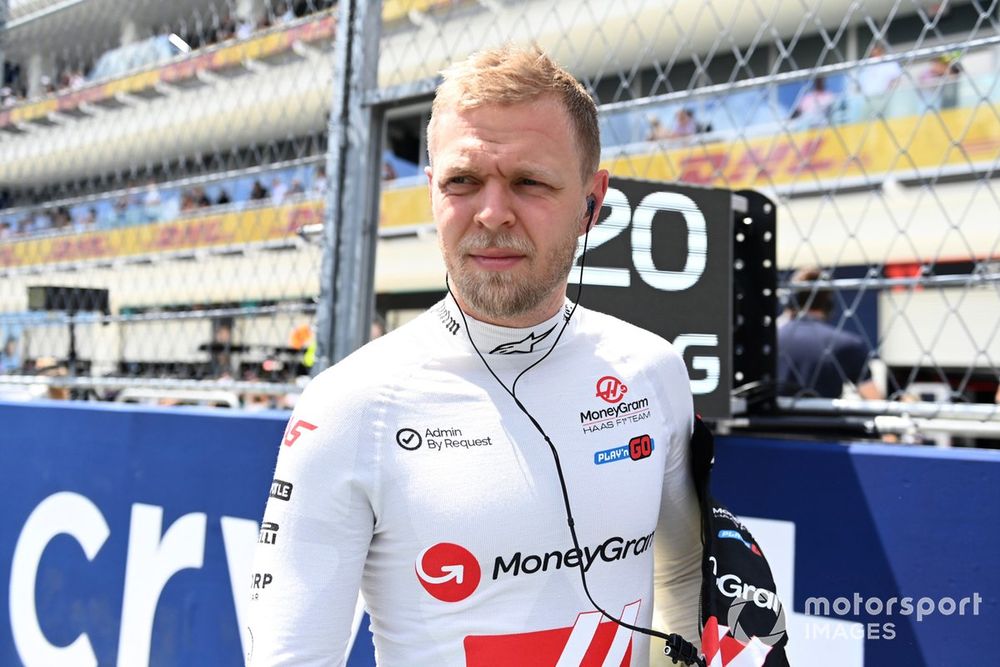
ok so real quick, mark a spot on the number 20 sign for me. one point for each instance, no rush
(661, 258)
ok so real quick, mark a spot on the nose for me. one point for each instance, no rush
(494, 208)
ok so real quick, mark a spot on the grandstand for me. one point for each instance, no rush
(186, 150)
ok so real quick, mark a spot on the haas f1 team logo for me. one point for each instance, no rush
(589, 642)
(448, 572)
(611, 389)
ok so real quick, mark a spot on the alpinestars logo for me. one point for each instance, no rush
(589, 642)
(611, 389)
(523, 346)
(449, 572)
(449, 322)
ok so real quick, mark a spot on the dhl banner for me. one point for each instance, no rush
(231, 228)
(957, 139)
(823, 158)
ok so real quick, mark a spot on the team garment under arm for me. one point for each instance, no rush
(408, 472)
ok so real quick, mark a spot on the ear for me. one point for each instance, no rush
(429, 173)
(598, 188)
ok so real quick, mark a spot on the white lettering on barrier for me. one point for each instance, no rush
(62, 513)
(151, 562)
(239, 536)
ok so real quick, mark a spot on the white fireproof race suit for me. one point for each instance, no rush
(408, 472)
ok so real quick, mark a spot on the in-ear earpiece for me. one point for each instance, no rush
(591, 203)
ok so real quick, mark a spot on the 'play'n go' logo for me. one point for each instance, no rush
(611, 389)
(448, 572)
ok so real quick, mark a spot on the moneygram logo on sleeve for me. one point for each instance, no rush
(449, 572)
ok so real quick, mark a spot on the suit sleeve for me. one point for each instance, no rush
(315, 533)
(677, 545)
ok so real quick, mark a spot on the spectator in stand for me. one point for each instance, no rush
(296, 188)
(378, 328)
(283, 13)
(42, 222)
(815, 358)
(319, 181)
(941, 79)
(51, 367)
(10, 360)
(6, 229)
(188, 202)
(258, 191)
(226, 29)
(816, 104)
(278, 191)
(657, 132)
(879, 78)
(245, 29)
(88, 222)
(25, 225)
(77, 79)
(61, 218)
(935, 71)
(151, 201)
(684, 123)
(223, 197)
(120, 210)
(388, 171)
(221, 349)
(201, 199)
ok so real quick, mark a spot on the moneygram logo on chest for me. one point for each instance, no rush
(449, 572)
(620, 412)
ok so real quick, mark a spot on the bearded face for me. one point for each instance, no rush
(502, 295)
(510, 203)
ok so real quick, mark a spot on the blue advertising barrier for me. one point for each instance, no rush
(125, 535)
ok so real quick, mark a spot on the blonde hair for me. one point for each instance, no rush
(510, 75)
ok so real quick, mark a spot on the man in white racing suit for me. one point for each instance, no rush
(409, 473)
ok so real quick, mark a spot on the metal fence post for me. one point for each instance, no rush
(350, 221)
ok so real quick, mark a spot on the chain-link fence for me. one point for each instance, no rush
(172, 155)
(873, 125)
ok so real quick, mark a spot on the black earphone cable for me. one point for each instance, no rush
(677, 648)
